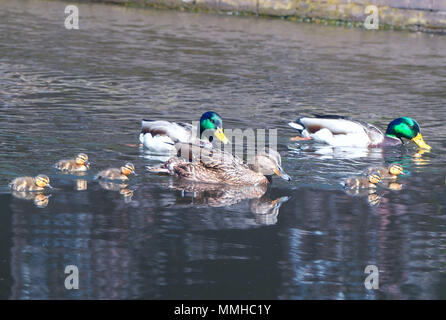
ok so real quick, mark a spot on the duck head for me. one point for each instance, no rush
(82, 159)
(374, 178)
(42, 181)
(268, 162)
(212, 121)
(396, 169)
(407, 128)
(128, 169)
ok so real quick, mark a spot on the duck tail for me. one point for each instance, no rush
(297, 125)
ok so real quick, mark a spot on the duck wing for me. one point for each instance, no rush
(339, 125)
(209, 158)
(177, 131)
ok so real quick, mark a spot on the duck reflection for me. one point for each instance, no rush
(328, 152)
(40, 199)
(418, 159)
(127, 194)
(394, 186)
(266, 210)
(262, 206)
(120, 187)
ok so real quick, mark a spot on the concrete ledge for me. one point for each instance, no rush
(415, 15)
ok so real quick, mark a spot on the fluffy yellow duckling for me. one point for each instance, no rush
(80, 163)
(117, 173)
(368, 182)
(37, 183)
(390, 172)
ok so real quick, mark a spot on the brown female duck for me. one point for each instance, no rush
(219, 167)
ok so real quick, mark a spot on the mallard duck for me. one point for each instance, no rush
(368, 182)
(220, 167)
(390, 172)
(117, 173)
(80, 163)
(37, 183)
(345, 132)
(160, 136)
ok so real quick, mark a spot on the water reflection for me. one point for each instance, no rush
(40, 199)
(260, 204)
(122, 188)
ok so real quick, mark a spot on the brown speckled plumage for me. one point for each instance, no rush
(383, 171)
(70, 166)
(25, 184)
(215, 166)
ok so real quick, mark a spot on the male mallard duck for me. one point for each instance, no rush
(368, 182)
(117, 173)
(37, 183)
(80, 163)
(160, 136)
(220, 167)
(390, 172)
(345, 132)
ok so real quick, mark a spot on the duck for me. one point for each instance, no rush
(160, 136)
(387, 173)
(340, 131)
(219, 167)
(117, 173)
(369, 182)
(38, 183)
(78, 164)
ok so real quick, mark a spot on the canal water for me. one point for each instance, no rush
(68, 91)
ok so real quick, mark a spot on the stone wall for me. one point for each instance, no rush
(416, 15)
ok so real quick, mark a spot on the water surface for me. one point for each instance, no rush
(69, 91)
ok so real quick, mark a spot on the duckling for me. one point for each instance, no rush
(80, 163)
(390, 172)
(37, 183)
(127, 193)
(117, 173)
(369, 182)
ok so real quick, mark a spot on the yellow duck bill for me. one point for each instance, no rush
(221, 136)
(419, 141)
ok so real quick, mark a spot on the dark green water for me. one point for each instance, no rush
(69, 91)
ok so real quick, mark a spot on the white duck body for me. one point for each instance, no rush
(338, 131)
(160, 136)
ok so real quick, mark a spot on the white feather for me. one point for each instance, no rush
(158, 144)
(295, 125)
